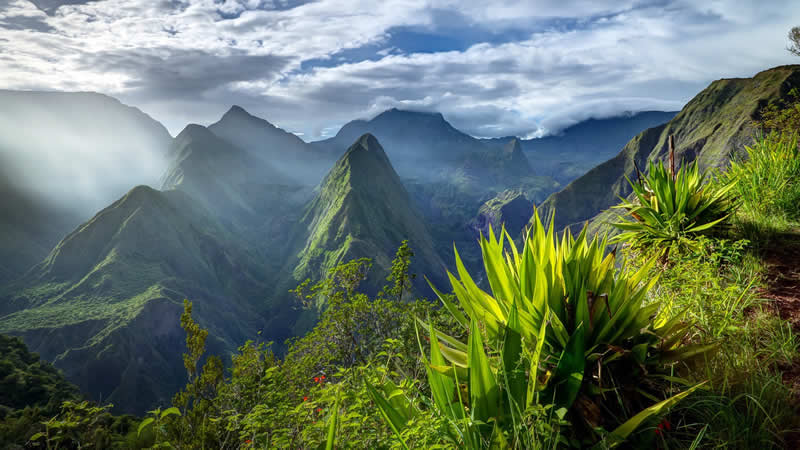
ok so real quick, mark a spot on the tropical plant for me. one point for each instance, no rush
(670, 206)
(562, 327)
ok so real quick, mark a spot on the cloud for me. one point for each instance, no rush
(493, 68)
(184, 74)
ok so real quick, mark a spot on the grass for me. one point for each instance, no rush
(748, 403)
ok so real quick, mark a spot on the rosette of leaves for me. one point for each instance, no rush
(563, 333)
(669, 206)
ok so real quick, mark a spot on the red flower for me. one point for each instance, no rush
(319, 409)
(323, 377)
(305, 399)
(316, 379)
(663, 426)
(248, 441)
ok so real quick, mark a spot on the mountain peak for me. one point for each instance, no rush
(193, 130)
(237, 112)
(409, 114)
(366, 155)
(513, 146)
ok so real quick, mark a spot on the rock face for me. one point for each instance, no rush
(712, 127)
(511, 209)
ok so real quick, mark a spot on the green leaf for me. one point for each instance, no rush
(170, 412)
(569, 372)
(483, 389)
(392, 417)
(36, 437)
(144, 423)
(333, 423)
(623, 431)
(512, 363)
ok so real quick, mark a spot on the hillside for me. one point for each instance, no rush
(104, 305)
(29, 228)
(711, 128)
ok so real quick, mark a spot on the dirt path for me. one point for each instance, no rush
(783, 277)
(782, 259)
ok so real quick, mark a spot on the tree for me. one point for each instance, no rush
(794, 39)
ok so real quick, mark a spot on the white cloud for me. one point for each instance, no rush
(187, 60)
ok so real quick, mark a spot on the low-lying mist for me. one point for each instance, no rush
(78, 151)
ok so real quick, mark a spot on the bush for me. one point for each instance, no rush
(562, 331)
(671, 207)
(767, 182)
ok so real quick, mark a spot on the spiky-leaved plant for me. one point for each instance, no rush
(670, 206)
(562, 326)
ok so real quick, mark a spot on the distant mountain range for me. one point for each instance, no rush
(244, 211)
(572, 152)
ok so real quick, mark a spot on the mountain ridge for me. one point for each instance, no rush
(714, 126)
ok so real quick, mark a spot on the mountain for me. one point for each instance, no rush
(301, 162)
(245, 192)
(576, 149)
(712, 127)
(63, 156)
(362, 210)
(104, 304)
(448, 174)
(499, 163)
(419, 144)
(217, 173)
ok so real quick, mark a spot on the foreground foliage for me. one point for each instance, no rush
(562, 333)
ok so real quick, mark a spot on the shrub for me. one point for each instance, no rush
(562, 331)
(671, 206)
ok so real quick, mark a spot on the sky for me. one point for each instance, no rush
(493, 68)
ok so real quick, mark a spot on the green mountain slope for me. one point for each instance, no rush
(362, 209)
(712, 127)
(104, 305)
(509, 209)
(245, 192)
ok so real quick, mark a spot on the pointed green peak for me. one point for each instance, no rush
(366, 153)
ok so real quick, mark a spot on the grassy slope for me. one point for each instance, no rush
(711, 127)
(104, 305)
